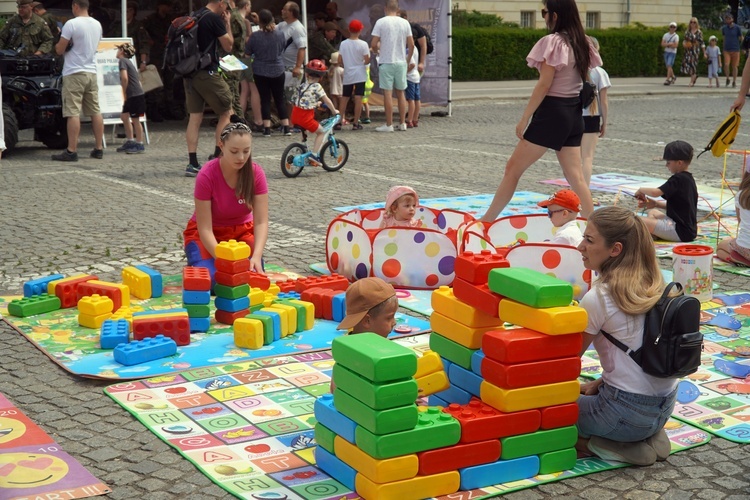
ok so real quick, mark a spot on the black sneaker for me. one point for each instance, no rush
(267, 132)
(65, 156)
(97, 153)
(192, 170)
(286, 130)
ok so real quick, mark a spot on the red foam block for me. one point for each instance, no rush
(517, 375)
(522, 345)
(481, 422)
(458, 456)
(478, 296)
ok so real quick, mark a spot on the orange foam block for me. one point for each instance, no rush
(457, 332)
(527, 398)
(550, 320)
(445, 302)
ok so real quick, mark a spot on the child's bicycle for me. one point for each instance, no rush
(333, 154)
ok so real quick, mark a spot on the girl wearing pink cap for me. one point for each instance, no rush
(400, 206)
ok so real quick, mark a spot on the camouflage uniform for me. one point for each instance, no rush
(239, 33)
(33, 36)
(54, 28)
(141, 39)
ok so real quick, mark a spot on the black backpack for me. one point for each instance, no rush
(418, 32)
(672, 341)
(182, 54)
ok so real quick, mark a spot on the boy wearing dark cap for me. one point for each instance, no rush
(562, 210)
(371, 306)
(680, 198)
(135, 101)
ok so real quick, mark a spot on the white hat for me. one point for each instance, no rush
(712, 37)
(673, 24)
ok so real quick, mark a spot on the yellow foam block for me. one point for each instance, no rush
(52, 284)
(416, 488)
(457, 332)
(232, 250)
(550, 320)
(124, 290)
(444, 302)
(126, 313)
(256, 296)
(379, 471)
(274, 289)
(138, 282)
(93, 321)
(309, 312)
(268, 299)
(248, 333)
(292, 313)
(526, 398)
(432, 383)
(284, 315)
(95, 305)
(429, 362)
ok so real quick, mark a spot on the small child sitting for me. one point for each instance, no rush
(306, 98)
(135, 101)
(400, 206)
(567, 204)
(737, 250)
(680, 223)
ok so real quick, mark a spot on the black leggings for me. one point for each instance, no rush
(268, 86)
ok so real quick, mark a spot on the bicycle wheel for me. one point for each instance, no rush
(332, 159)
(288, 168)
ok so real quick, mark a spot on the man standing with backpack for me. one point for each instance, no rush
(207, 85)
(79, 42)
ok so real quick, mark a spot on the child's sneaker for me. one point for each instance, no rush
(267, 132)
(402, 126)
(366, 120)
(286, 130)
(192, 170)
(97, 153)
(136, 149)
(314, 161)
(124, 148)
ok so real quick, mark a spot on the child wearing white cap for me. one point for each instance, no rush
(669, 42)
(400, 206)
(713, 54)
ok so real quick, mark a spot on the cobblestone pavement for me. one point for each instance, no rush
(99, 215)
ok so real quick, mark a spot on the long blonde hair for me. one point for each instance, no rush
(245, 188)
(594, 106)
(633, 277)
(743, 197)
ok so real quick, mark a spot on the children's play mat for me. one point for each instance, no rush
(249, 426)
(32, 464)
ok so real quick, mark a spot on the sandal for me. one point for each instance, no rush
(668, 81)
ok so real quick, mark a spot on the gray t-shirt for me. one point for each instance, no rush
(297, 33)
(134, 87)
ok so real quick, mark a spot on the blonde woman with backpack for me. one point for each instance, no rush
(622, 414)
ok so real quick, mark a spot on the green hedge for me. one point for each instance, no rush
(489, 54)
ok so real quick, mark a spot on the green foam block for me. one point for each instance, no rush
(38, 304)
(373, 357)
(301, 313)
(452, 351)
(530, 287)
(267, 326)
(376, 396)
(324, 437)
(376, 421)
(557, 461)
(231, 292)
(538, 442)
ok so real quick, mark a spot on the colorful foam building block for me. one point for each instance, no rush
(289, 294)
(232, 305)
(157, 282)
(326, 414)
(476, 359)
(445, 302)
(275, 321)
(324, 437)
(39, 286)
(458, 456)
(228, 318)
(232, 266)
(378, 471)
(199, 324)
(454, 394)
(197, 310)
(387, 421)
(557, 461)
(502, 471)
(273, 289)
(96, 322)
(530, 287)
(290, 311)
(433, 400)
(142, 351)
(120, 294)
(550, 320)
(236, 279)
(516, 375)
(322, 299)
(175, 325)
(427, 363)
(432, 383)
(332, 282)
(126, 313)
(232, 250)
(300, 313)
(196, 297)
(434, 429)
(259, 280)
(248, 333)
(256, 296)
(538, 442)
(309, 312)
(540, 396)
(478, 296)
(475, 267)
(232, 292)
(480, 421)
(467, 380)
(410, 489)
(114, 333)
(95, 305)
(66, 289)
(338, 307)
(450, 350)
(522, 345)
(458, 332)
(335, 467)
(267, 322)
(36, 304)
(196, 278)
(559, 416)
(286, 286)
(138, 281)
(373, 357)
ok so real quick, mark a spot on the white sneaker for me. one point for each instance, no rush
(384, 128)
(402, 127)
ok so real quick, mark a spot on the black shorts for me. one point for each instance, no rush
(592, 124)
(135, 106)
(354, 88)
(557, 123)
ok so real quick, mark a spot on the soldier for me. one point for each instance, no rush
(52, 23)
(136, 31)
(158, 101)
(239, 32)
(26, 32)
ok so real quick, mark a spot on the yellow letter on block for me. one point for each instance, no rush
(248, 333)
(550, 320)
(526, 398)
(380, 471)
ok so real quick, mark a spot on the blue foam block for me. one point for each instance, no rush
(38, 286)
(289, 295)
(328, 415)
(199, 324)
(338, 304)
(335, 468)
(502, 471)
(433, 400)
(476, 362)
(465, 379)
(454, 395)
(276, 317)
(157, 284)
(232, 305)
(114, 333)
(196, 297)
(148, 349)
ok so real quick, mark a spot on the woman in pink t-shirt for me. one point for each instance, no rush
(563, 59)
(231, 202)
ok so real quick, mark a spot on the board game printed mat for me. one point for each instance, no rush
(76, 348)
(716, 398)
(248, 426)
(33, 465)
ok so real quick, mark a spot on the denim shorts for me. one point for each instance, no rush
(623, 416)
(412, 91)
(669, 58)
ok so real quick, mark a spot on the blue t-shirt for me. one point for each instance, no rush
(732, 35)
